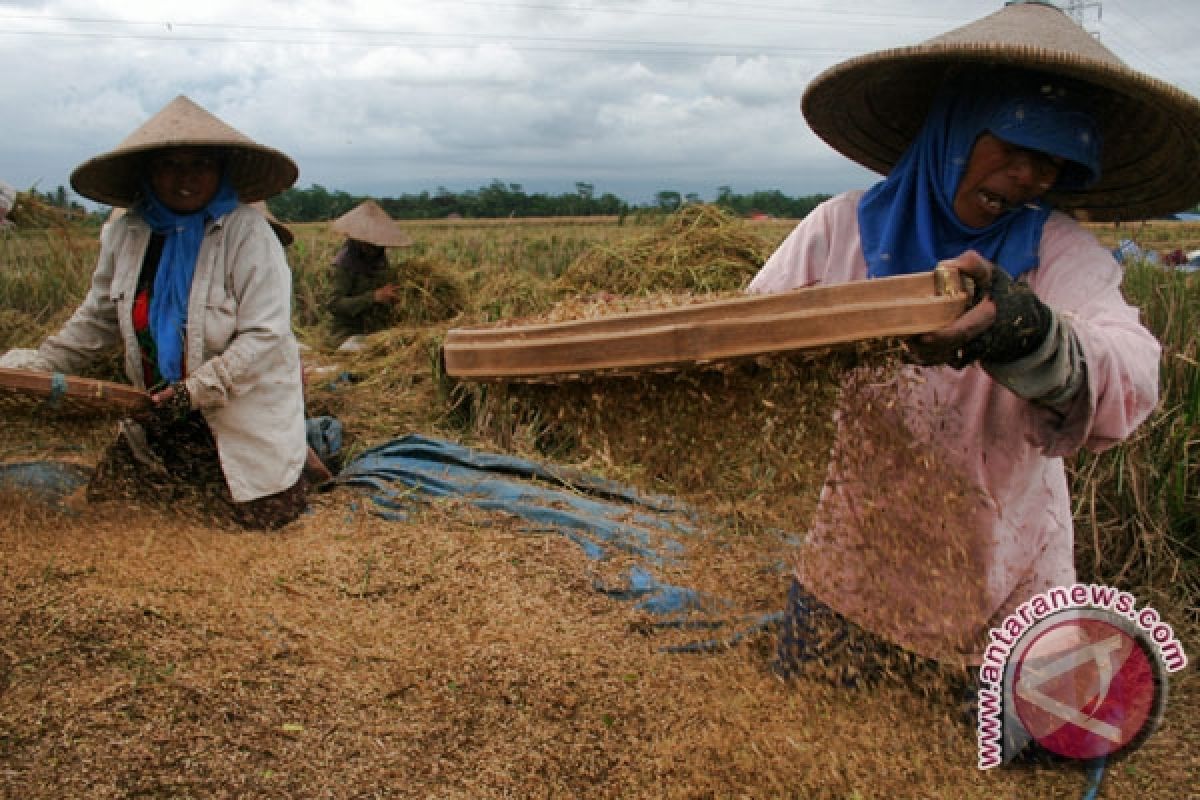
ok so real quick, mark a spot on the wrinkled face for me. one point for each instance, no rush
(185, 178)
(1001, 177)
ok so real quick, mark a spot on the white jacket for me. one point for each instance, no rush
(243, 365)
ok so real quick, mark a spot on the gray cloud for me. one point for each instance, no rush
(383, 98)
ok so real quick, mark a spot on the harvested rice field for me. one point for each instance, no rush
(464, 653)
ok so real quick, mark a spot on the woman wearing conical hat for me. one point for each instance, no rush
(363, 291)
(192, 282)
(946, 504)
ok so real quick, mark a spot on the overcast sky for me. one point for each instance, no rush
(383, 98)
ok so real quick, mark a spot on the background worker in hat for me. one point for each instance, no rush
(363, 291)
(946, 503)
(194, 285)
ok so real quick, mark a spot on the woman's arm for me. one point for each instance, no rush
(349, 302)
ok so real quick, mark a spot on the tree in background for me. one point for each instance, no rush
(668, 200)
(500, 199)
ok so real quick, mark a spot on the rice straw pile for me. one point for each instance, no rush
(700, 248)
(430, 291)
(30, 211)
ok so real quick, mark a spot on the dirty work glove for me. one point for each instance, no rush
(1006, 321)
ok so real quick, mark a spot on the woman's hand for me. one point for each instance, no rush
(386, 294)
(1006, 321)
(168, 405)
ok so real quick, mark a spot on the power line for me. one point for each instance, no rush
(1077, 10)
(860, 19)
(383, 37)
(567, 45)
(1121, 34)
(626, 11)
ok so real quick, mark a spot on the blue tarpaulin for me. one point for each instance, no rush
(49, 481)
(603, 517)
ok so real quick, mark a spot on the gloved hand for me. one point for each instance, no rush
(1005, 322)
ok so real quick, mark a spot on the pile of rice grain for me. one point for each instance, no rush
(748, 438)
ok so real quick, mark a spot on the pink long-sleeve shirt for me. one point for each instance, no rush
(970, 516)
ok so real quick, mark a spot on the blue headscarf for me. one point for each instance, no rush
(173, 280)
(907, 221)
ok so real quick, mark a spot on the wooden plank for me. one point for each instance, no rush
(900, 287)
(730, 329)
(74, 391)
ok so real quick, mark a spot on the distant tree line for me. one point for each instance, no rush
(770, 201)
(500, 199)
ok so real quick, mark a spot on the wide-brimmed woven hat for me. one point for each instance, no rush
(255, 170)
(870, 108)
(367, 222)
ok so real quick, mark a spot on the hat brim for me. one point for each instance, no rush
(369, 223)
(255, 171)
(870, 108)
(377, 238)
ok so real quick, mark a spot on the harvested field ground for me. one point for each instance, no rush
(450, 656)
(457, 653)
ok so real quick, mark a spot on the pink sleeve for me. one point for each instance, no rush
(1081, 280)
(822, 249)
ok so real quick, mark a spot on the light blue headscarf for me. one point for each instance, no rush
(173, 280)
(907, 221)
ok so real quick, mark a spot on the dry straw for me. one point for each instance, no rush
(430, 291)
(30, 211)
(699, 249)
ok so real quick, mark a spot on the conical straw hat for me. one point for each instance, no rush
(114, 178)
(871, 107)
(282, 231)
(367, 222)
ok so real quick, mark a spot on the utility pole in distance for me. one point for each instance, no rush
(1077, 10)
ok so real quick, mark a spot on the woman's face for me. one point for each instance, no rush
(367, 250)
(1001, 177)
(185, 179)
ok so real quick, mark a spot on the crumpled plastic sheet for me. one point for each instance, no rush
(50, 481)
(324, 436)
(600, 516)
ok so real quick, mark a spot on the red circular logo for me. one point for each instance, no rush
(1086, 687)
